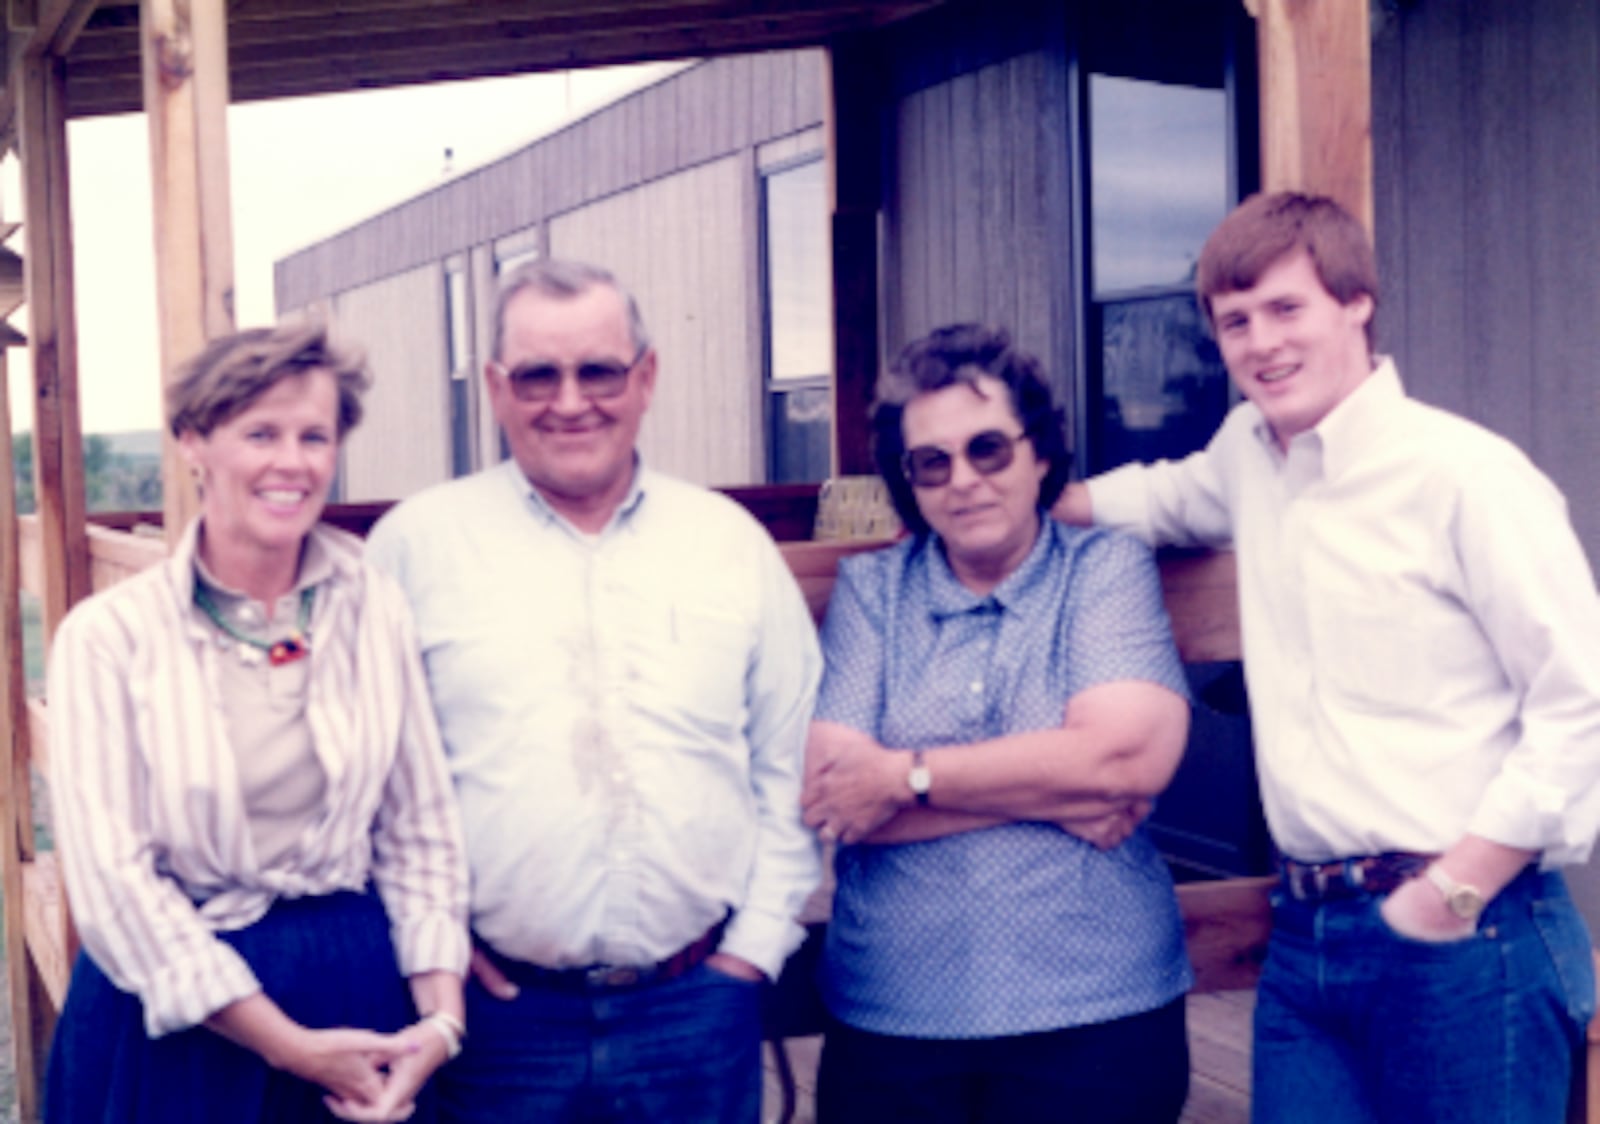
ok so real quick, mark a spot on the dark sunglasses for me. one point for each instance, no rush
(596, 378)
(928, 466)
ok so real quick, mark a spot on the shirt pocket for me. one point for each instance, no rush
(688, 669)
(1390, 652)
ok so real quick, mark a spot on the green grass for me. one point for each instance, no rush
(33, 645)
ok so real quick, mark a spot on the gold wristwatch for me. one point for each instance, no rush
(1466, 902)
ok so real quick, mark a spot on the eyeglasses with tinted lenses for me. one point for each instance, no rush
(596, 378)
(928, 466)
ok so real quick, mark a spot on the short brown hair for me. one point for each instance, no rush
(232, 372)
(1265, 228)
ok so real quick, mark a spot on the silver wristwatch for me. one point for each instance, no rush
(919, 779)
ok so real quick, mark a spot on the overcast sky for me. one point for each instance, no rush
(300, 171)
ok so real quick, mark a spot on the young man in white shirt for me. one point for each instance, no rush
(1422, 648)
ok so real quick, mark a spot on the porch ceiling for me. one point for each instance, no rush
(288, 48)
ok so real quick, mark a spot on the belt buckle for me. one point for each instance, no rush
(1321, 876)
(1291, 879)
(610, 975)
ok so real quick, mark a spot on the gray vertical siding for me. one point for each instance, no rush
(701, 114)
(978, 191)
(1486, 152)
(660, 187)
(1486, 139)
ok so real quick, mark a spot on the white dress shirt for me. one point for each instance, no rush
(1421, 631)
(625, 716)
(149, 811)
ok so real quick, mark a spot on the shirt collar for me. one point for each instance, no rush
(625, 512)
(1350, 428)
(329, 554)
(948, 597)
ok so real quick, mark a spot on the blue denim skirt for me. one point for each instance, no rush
(328, 961)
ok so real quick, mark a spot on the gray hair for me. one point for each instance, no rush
(563, 280)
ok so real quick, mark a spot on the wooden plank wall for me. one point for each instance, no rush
(979, 198)
(703, 113)
(1487, 184)
(680, 244)
(1486, 188)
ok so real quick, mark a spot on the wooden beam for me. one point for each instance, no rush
(851, 115)
(185, 64)
(274, 61)
(58, 23)
(1201, 590)
(1316, 99)
(1226, 925)
(16, 804)
(22, 15)
(58, 437)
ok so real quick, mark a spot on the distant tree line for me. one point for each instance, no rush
(112, 481)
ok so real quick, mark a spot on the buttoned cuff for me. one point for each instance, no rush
(1515, 812)
(434, 942)
(763, 939)
(185, 994)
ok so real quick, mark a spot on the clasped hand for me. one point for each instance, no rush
(370, 1076)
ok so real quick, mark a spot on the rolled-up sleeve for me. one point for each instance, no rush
(1533, 594)
(138, 925)
(419, 858)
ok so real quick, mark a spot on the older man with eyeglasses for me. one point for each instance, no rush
(623, 669)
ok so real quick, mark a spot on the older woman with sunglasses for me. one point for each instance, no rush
(1001, 703)
(258, 831)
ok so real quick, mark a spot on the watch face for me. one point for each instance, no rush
(1466, 903)
(920, 780)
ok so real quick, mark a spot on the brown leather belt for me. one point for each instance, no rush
(680, 963)
(1351, 878)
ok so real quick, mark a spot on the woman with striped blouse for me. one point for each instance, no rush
(256, 824)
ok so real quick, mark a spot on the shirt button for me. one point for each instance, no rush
(976, 686)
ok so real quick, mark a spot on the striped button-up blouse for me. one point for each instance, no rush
(151, 824)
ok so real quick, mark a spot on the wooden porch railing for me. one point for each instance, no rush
(1226, 921)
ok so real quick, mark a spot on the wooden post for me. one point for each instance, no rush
(1316, 99)
(58, 436)
(852, 113)
(30, 1015)
(185, 55)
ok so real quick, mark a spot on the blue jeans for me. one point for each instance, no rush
(685, 1050)
(1355, 1023)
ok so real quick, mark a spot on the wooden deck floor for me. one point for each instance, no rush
(1219, 1052)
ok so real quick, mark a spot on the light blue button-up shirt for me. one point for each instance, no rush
(625, 716)
(1021, 927)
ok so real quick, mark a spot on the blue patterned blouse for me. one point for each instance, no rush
(1022, 927)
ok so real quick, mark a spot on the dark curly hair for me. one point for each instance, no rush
(961, 354)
